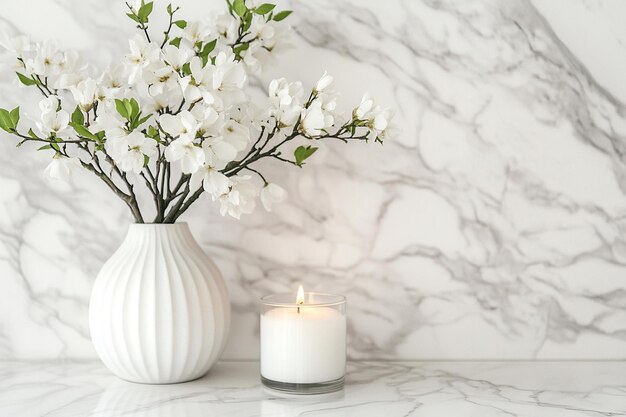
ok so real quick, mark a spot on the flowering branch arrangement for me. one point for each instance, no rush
(174, 115)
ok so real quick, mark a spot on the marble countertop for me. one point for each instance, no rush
(485, 389)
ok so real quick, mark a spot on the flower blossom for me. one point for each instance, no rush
(285, 101)
(240, 199)
(142, 53)
(61, 167)
(214, 182)
(53, 120)
(272, 194)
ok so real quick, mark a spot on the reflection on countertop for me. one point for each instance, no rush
(68, 389)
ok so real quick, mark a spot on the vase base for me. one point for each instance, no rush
(165, 381)
(304, 389)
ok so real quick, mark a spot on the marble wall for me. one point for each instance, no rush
(491, 227)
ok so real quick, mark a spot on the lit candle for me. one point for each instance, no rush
(303, 342)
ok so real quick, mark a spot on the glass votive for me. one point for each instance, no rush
(303, 342)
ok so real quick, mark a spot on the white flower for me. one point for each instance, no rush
(220, 84)
(279, 39)
(195, 31)
(313, 119)
(116, 145)
(111, 83)
(323, 82)
(53, 122)
(380, 121)
(226, 26)
(137, 147)
(61, 167)
(217, 152)
(161, 78)
(228, 77)
(85, 94)
(114, 128)
(158, 99)
(285, 101)
(209, 120)
(18, 45)
(254, 56)
(46, 60)
(272, 194)
(283, 93)
(240, 199)
(183, 149)
(269, 36)
(377, 119)
(214, 182)
(141, 55)
(199, 83)
(183, 125)
(380, 124)
(49, 104)
(261, 31)
(364, 108)
(236, 134)
(177, 57)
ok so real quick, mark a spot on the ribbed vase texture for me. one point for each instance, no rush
(159, 310)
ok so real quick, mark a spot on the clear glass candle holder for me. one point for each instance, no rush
(303, 342)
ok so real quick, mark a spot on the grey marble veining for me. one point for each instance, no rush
(491, 227)
(533, 389)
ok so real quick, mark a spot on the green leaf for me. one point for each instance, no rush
(247, 22)
(5, 121)
(45, 147)
(264, 8)
(144, 12)
(152, 132)
(181, 24)
(82, 131)
(208, 48)
(26, 80)
(32, 134)
(134, 109)
(176, 42)
(186, 69)
(169, 8)
(146, 160)
(240, 7)
(302, 153)
(78, 117)
(133, 16)
(15, 117)
(129, 108)
(240, 48)
(281, 15)
(121, 108)
(143, 119)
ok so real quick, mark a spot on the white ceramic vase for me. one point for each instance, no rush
(159, 310)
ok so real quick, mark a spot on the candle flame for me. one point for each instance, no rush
(300, 296)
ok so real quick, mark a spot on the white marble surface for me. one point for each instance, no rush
(402, 389)
(492, 227)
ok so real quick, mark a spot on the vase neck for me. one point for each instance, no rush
(160, 234)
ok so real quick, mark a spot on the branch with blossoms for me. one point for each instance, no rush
(174, 116)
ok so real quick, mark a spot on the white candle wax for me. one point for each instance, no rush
(305, 346)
